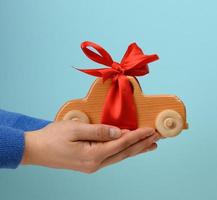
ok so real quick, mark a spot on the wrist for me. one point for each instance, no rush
(31, 148)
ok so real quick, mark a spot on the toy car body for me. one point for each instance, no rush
(165, 113)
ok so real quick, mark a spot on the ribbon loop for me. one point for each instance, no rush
(103, 57)
(119, 108)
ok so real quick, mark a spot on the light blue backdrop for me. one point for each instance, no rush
(40, 40)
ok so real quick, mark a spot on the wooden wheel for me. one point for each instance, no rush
(76, 115)
(169, 123)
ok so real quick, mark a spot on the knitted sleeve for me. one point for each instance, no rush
(12, 143)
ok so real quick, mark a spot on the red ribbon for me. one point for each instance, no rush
(119, 108)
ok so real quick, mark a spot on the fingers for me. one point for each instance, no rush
(129, 138)
(143, 146)
(95, 132)
(151, 148)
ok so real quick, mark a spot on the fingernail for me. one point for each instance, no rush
(156, 138)
(115, 133)
(153, 148)
(150, 130)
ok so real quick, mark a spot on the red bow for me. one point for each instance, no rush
(119, 108)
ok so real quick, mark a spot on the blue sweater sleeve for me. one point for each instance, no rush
(20, 121)
(12, 128)
(11, 147)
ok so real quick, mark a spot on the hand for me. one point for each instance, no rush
(85, 147)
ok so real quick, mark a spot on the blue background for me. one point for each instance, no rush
(40, 41)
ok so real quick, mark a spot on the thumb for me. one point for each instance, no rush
(95, 132)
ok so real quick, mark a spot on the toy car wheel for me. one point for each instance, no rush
(76, 115)
(169, 123)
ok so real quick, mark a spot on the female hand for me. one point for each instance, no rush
(85, 147)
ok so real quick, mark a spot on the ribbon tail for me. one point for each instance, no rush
(105, 73)
(119, 107)
(92, 72)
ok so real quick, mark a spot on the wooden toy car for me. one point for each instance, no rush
(165, 113)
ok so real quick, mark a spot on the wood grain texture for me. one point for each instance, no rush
(148, 106)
